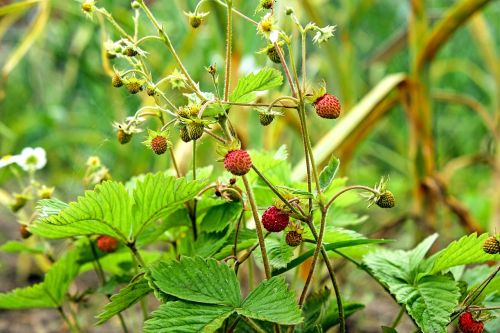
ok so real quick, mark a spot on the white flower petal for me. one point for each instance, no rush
(8, 160)
(32, 159)
(273, 36)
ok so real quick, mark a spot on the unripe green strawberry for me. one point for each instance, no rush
(123, 137)
(328, 106)
(116, 81)
(293, 238)
(267, 4)
(238, 162)
(24, 232)
(491, 245)
(273, 55)
(265, 118)
(130, 51)
(107, 244)
(194, 21)
(133, 85)
(386, 200)
(195, 130)
(275, 220)
(151, 91)
(159, 144)
(183, 133)
(19, 202)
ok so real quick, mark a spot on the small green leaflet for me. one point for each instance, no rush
(265, 79)
(218, 217)
(272, 301)
(197, 280)
(127, 297)
(328, 173)
(187, 317)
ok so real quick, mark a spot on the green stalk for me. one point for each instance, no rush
(229, 40)
(195, 201)
(171, 48)
(258, 227)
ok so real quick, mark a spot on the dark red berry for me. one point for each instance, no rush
(468, 324)
(275, 220)
(107, 244)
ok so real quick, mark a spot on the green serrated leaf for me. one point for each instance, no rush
(431, 302)
(218, 217)
(272, 301)
(106, 211)
(49, 293)
(187, 317)
(109, 209)
(49, 207)
(265, 79)
(125, 298)
(198, 280)
(466, 250)
(328, 173)
(158, 195)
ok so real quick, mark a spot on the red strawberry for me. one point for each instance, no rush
(107, 244)
(159, 144)
(468, 324)
(328, 106)
(238, 162)
(275, 220)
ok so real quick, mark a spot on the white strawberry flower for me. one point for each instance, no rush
(32, 159)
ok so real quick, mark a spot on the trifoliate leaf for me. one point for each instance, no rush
(265, 79)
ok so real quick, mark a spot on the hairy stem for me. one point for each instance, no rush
(171, 48)
(229, 42)
(258, 227)
(349, 188)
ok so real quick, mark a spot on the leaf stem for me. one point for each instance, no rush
(254, 325)
(349, 188)
(285, 68)
(258, 227)
(195, 201)
(261, 104)
(102, 278)
(398, 318)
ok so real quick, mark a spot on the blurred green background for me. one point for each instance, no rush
(59, 97)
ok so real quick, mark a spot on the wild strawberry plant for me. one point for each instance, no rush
(189, 239)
